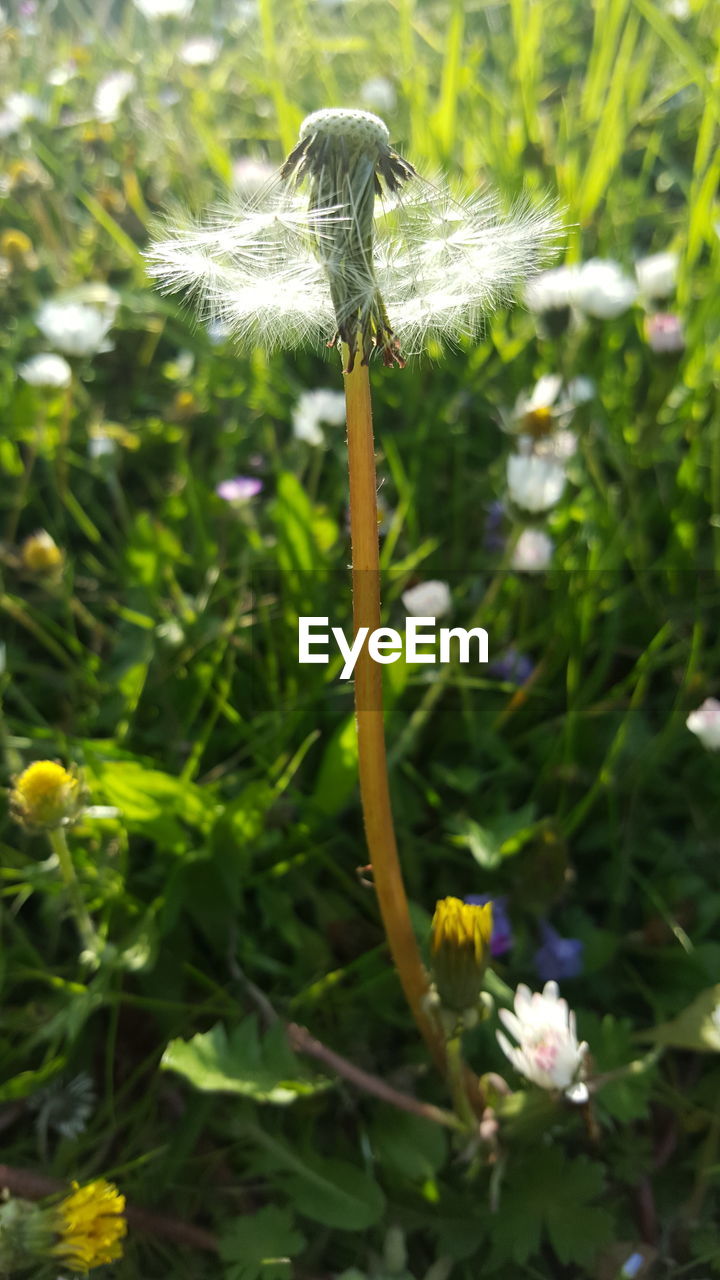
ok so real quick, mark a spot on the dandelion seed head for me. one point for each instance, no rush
(348, 244)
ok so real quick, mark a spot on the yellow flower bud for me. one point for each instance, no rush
(17, 247)
(460, 948)
(40, 554)
(45, 795)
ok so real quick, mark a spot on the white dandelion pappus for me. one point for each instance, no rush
(547, 1051)
(350, 241)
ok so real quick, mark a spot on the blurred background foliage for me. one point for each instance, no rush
(160, 656)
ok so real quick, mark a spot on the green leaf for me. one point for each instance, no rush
(335, 1193)
(548, 1195)
(146, 796)
(500, 838)
(409, 1145)
(261, 1247)
(242, 1063)
(27, 1082)
(697, 1027)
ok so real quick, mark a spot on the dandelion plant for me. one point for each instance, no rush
(350, 246)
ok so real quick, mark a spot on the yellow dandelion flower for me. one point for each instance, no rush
(41, 554)
(460, 948)
(45, 795)
(90, 1224)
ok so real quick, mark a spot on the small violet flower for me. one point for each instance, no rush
(513, 667)
(557, 958)
(502, 935)
(493, 536)
(239, 488)
(704, 722)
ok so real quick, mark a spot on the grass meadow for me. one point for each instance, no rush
(198, 1001)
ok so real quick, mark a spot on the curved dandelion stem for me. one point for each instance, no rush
(372, 757)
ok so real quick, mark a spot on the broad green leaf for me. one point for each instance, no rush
(261, 1246)
(263, 1069)
(697, 1027)
(27, 1082)
(335, 1193)
(409, 1145)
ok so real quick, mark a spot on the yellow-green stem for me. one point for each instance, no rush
(457, 1078)
(372, 759)
(85, 927)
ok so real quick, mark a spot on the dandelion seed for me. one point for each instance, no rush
(349, 244)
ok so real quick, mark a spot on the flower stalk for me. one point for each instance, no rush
(372, 755)
(85, 927)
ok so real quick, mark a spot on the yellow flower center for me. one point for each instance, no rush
(91, 1225)
(538, 422)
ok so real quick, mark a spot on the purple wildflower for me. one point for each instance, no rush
(502, 935)
(493, 536)
(513, 667)
(239, 489)
(558, 957)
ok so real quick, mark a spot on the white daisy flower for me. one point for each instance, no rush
(547, 1051)
(201, 51)
(75, 328)
(165, 8)
(110, 94)
(369, 255)
(704, 722)
(46, 369)
(657, 274)
(533, 550)
(315, 407)
(534, 482)
(428, 599)
(601, 289)
(379, 94)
